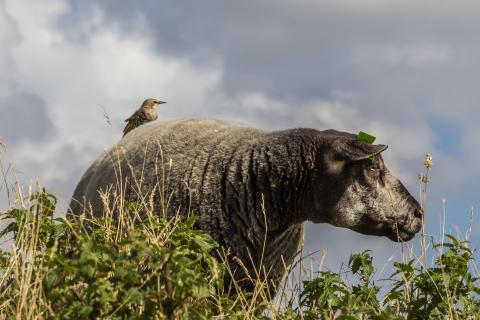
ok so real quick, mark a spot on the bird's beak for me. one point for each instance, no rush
(161, 102)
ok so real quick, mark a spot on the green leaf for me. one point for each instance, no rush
(201, 291)
(365, 137)
(87, 270)
(203, 243)
(51, 280)
(134, 296)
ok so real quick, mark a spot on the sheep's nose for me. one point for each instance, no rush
(418, 212)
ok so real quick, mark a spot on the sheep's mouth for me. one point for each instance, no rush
(401, 235)
(393, 229)
(405, 231)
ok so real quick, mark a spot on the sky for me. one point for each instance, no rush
(404, 71)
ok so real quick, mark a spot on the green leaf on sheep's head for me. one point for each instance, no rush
(368, 138)
(363, 136)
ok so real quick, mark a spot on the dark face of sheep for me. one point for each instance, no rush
(355, 190)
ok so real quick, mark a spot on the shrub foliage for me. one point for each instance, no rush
(158, 268)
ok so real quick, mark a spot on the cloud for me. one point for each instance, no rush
(27, 118)
(413, 56)
(388, 55)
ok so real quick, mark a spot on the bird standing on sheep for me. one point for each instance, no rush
(146, 113)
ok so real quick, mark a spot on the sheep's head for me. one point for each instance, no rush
(353, 188)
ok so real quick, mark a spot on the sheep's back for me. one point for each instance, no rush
(182, 161)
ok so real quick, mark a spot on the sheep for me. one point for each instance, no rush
(252, 189)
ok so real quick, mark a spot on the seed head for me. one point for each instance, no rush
(428, 163)
(423, 178)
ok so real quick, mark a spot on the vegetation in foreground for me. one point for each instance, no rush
(154, 268)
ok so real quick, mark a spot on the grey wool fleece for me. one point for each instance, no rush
(251, 189)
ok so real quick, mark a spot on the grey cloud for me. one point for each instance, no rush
(60, 177)
(8, 30)
(299, 50)
(24, 117)
(71, 166)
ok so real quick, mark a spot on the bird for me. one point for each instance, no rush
(146, 113)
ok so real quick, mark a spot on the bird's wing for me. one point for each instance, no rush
(138, 118)
(133, 116)
(129, 127)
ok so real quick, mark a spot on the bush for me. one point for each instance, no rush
(447, 290)
(154, 268)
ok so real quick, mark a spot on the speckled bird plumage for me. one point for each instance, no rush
(146, 113)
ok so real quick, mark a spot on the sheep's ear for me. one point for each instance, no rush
(355, 150)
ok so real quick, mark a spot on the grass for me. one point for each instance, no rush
(141, 265)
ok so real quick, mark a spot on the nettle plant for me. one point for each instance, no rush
(447, 290)
(152, 268)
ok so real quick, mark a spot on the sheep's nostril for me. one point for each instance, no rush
(418, 212)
